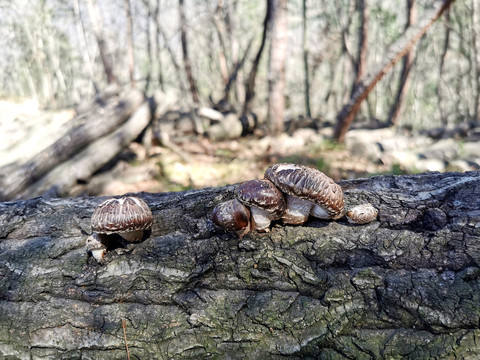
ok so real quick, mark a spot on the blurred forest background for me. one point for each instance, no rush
(353, 88)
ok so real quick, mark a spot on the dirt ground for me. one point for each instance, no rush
(196, 162)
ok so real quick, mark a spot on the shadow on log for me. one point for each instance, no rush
(404, 287)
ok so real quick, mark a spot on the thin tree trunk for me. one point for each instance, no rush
(166, 44)
(395, 53)
(361, 62)
(276, 68)
(237, 63)
(476, 55)
(235, 73)
(446, 44)
(82, 37)
(186, 58)
(404, 81)
(96, 21)
(250, 86)
(156, 16)
(306, 71)
(220, 30)
(148, 32)
(130, 42)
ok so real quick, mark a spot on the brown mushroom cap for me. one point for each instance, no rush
(362, 214)
(123, 215)
(308, 184)
(261, 194)
(232, 215)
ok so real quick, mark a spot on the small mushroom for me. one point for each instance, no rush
(128, 217)
(232, 215)
(96, 247)
(362, 214)
(265, 201)
(307, 191)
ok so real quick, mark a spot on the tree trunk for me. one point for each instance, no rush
(186, 58)
(440, 86)
(404, 82)
(250, 85)
(476, 57)
(96, 21)
(161, 33)
(82, 38)
(130, 42)
(361, 62)
(306, 69)
(395, 53)
(404, 287)
(276, 68)
(148, 33)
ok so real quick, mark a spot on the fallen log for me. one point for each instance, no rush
(406, 286)
(88, 146)
(99, 120)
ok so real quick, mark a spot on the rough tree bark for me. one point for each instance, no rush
(404, 287)
(395, 53)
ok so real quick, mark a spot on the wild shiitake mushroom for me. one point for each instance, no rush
(128, 217)
(232, 215)
(265, 201)
(362, 214)
(307, 191)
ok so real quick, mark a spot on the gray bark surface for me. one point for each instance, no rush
(404, 287)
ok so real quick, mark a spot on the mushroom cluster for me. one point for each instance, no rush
(128, 217)
(289, 192)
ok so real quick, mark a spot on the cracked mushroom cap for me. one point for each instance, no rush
(308, 184)
(126, 215)
(261, 194)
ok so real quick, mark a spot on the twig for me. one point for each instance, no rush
(124, 325)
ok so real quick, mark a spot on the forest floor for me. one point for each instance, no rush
(198, 163)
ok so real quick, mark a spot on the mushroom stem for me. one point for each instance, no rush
(319, 212)
(297, 210)
(96, 247)
(132, 236)
(261, 219)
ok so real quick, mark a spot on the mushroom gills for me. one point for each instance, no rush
(261, 219)
(297, 211)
